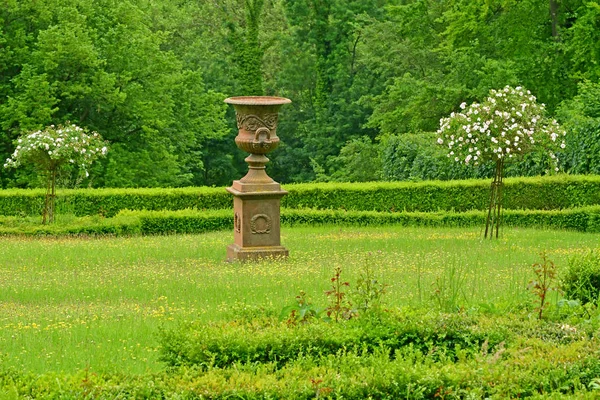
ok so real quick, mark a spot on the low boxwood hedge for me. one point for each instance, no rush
(127, 222)
(222, 345)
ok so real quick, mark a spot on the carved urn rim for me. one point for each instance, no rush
(257, 100)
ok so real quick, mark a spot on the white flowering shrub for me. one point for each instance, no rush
(55, 146)
(51, 149)
(509, 123)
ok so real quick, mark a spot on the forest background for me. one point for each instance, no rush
(369, 81)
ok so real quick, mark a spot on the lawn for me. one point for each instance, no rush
(97, 304)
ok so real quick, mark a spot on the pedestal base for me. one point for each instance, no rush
(256, 221)
(238, 253)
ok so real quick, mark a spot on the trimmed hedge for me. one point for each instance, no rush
(538, 193)
(125, 225)
(108, 202)
(222, 345)
(583, 219)
(185, 221)
(386, 332)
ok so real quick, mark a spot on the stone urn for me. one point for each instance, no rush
(256, 197)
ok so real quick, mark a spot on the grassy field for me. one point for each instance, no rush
(71, 304)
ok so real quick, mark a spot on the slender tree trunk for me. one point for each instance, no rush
(49, 200)
(251, 77)
(321, 10)
(46, 201)
(494, 217)
(554, 17)
(52, 197)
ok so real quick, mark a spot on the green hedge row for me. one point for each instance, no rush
(108, 202)
(583, 219)
(538, 193)
(227, 344)
(184, 221)
(123, 225)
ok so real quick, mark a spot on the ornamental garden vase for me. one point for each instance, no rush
(256, 196)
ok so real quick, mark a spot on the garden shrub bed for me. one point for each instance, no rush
(537, 193)
(223, 345)
(127, 222)
(412, 355)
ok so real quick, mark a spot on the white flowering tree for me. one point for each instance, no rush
(507, 125)
(51, 149)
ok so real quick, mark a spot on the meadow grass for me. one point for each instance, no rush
(69, 304)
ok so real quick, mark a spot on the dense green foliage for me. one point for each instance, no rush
(107, 66)
(387, 334)
(522, 193)
(582, 280)
(150, 77)
(412, 157)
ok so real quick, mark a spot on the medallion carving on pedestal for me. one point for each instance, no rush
(261, 224)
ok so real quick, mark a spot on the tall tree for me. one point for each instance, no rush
(101, 64)
(324, 80)
(251, 51)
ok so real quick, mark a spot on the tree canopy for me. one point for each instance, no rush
(150, 76)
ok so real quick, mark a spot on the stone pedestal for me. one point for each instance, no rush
(256, 197)
(256, 224)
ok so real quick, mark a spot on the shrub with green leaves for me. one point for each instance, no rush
(127, 222)
(582, 279)
(581, 117)
(221, 345)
